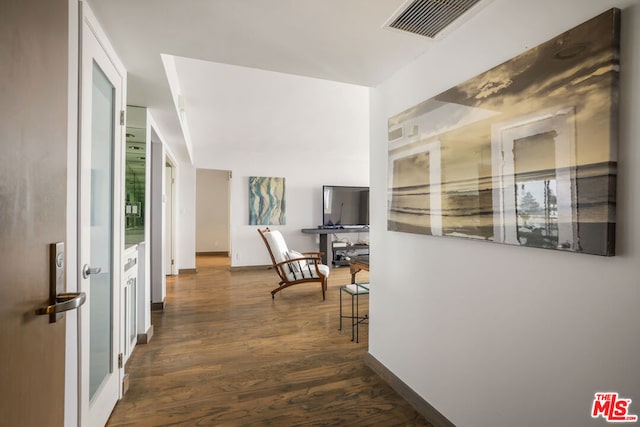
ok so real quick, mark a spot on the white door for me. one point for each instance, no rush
(100, 227)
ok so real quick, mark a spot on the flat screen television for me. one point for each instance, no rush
(345, 206)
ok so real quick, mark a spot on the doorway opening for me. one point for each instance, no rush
(213, 213)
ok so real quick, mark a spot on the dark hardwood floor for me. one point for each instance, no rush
(225, 354)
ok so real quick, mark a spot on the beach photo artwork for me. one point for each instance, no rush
(523, 154)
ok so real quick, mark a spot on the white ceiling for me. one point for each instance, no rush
(339, 40)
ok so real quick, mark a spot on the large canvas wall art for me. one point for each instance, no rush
(523, 154)
(266, 201)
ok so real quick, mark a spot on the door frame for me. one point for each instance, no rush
(88, 22)
(160, 155)
(72, 349)
(172, 205)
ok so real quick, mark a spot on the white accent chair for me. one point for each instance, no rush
(293, 267)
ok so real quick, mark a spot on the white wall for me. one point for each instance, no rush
(310, 131)
(186, 217)
(157, 255)
(144, 250)
(212, 210)
(496, 335)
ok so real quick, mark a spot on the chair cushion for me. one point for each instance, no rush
(277, 245)
(297, 265)
(308, 272)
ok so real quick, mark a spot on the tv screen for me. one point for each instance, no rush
(345, 206)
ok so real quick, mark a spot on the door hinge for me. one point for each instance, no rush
(121, 117)
(120, 361)
(171, 262)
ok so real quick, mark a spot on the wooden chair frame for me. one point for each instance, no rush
(314, 258)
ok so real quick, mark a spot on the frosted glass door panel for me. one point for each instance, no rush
(102, 147)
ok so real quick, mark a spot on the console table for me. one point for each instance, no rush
(325, 244)
(358, 264)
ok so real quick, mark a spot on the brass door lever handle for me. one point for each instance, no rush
(64, 302)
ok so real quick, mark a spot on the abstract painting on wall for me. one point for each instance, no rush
(523, 154)
(266, 201)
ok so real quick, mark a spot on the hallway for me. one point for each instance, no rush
(224, 353)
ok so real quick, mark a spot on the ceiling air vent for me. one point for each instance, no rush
(429, 17)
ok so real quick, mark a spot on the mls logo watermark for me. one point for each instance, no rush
(612, 408)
